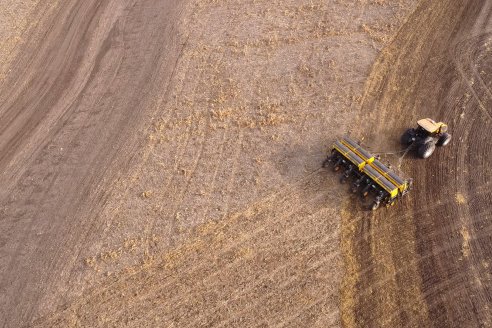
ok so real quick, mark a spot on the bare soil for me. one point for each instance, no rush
(426, 262)
(160, 164)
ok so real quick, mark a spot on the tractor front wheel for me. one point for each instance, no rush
(444, 139)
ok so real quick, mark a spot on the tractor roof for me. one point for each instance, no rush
(430, 125)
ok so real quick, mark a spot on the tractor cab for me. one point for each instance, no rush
(431, 127)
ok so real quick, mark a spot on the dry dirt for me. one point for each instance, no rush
(428, 262)
(160, 163)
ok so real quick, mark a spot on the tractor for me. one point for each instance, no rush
(426, 137)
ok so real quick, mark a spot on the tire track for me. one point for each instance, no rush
(69, 98)
(95, 298)
(261, 279)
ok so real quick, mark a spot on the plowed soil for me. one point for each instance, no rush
(427, 262)
(160, 163)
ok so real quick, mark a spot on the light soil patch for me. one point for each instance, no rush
(16, 19)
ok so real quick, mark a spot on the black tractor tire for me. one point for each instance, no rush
(426, 150)
(444, 140)
(408, 137)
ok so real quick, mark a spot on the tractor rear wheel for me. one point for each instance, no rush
(426, 150)
(444, 139)
(408, 137)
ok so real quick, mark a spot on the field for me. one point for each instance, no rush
(160, 163)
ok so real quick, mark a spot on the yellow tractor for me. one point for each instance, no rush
(426, 137)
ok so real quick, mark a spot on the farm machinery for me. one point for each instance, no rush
(426, 137)
(369, 175)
